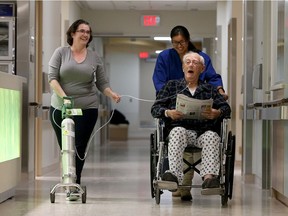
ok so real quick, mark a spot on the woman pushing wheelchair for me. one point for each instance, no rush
(202, 132)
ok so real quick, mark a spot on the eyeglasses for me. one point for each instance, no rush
(176, 43)
(82, 31)
(193, 62)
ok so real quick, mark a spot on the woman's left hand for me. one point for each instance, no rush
(116, 97)
(113, 95)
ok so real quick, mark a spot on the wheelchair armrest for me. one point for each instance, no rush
(160, 125)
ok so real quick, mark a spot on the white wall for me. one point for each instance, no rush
(147, 92)
(226, 11)
(51, 36)
(69, 13)
(257, 94)
(223, 21)
(123, 69)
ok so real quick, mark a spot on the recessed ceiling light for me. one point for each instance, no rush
(162, 38)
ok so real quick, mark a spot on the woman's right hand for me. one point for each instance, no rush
(66, 101)
(57, 88)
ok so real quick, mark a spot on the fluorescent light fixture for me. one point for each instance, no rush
(162, 38)
(158, 51)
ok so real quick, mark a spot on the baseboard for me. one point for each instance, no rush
(5, 195)
(51, 168)
(279, 196)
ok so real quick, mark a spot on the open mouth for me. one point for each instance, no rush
(190, 71)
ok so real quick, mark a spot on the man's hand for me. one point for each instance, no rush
(211, 113)
(174, 114)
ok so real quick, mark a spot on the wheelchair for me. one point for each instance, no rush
(159, 164)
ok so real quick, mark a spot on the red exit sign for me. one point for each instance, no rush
(150, 20)
(143, 55)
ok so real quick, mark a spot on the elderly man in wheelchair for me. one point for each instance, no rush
(183, 132)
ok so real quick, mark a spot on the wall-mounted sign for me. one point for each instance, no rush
(150, 20)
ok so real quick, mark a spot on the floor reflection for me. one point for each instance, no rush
(117, 177)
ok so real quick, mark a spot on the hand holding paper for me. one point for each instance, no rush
(211, 113)
(192, 108)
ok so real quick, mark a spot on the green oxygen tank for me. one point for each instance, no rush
(68, 143)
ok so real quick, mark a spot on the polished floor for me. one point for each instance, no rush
(117, 179)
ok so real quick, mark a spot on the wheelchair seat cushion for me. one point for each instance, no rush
(193, 149)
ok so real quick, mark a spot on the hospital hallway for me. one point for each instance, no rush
(117, 177)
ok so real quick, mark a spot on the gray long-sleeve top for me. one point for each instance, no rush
(77, 79)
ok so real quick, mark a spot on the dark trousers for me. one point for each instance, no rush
(84, 126)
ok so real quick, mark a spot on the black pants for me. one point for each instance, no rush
(84, 126)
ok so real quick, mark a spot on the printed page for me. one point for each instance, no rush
(192, 107)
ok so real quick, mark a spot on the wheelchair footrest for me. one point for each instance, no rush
(167, 185)
(212, 191)
(185, 187)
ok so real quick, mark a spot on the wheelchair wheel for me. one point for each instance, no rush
(224, 200)
(153, 162)
(229, 169)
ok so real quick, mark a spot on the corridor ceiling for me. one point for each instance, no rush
(180, 5)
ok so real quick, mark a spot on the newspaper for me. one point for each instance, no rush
(191, 107)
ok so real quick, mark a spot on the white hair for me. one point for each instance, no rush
(194, 53)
